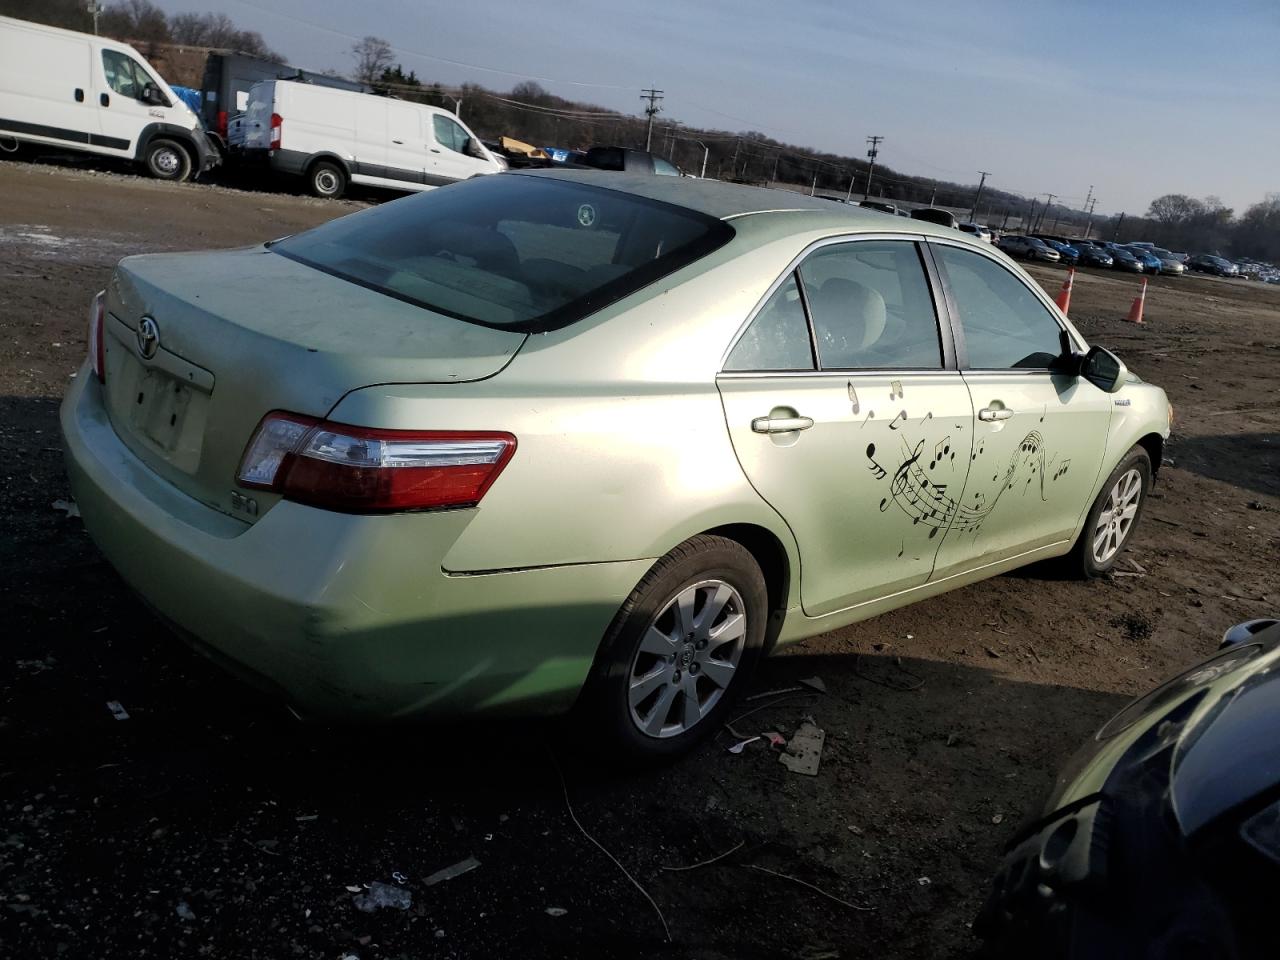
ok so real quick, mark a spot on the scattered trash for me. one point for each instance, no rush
(401, 879)
(306, 817)
(439, 934)
(702, 863)
(1136, 565)
(68, 506)
(911, 636)
(448, 873)
(354, 888)
(804, 752)
(992, 652)
(741, 744)
(805, 883)
(556, 911)
(813, 683)
(117, 710)
(383, 895)
(923, 881)
(1256, 505)
(775, 739)
(998, 818)
(184, 911)
(773, 693)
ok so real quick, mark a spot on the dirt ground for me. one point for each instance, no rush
(211, 824)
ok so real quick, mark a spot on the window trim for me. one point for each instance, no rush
(946, 341)
(953, 313)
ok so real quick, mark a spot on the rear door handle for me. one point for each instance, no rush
(79, 95)
(104, 100)
(434, 150)
(397, 141)
(994, 413)
(781, 424)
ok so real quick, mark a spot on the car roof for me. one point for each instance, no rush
(727, 201)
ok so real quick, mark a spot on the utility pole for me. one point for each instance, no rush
(933, 193)
(1087, 197)
(94, 7)
(848, 197)
(871, 154)
(813, 188)
(1089, 226)
(737, 145)
(1119, 224)
(705, 151)
(1043, 210)
(978, 196)
(1026, 227)
(1006, 220)
(653, 96)
(774, 178)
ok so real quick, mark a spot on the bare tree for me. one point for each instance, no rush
(140, 21)
(373, 56)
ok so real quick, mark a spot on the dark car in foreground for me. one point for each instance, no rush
(1161, 838)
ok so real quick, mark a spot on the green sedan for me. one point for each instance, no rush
(554, 441)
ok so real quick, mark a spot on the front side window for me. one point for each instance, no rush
(1005, 325)
(664, 169)
(449, 134)
(124, 75)
(871, 307)
(778, 338)
(513, 251)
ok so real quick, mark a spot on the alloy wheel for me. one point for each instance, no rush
(687, 659)
(1116, 520)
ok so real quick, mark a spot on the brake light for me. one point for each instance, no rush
(97, 327)
(222, 123)
(353, 469)
(277, 127)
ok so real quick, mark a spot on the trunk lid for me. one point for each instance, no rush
(200, 346)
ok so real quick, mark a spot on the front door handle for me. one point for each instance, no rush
(781, 424)
(397, 141)
(434, 150)
(104, 100)
(994, 413)
(79, 95)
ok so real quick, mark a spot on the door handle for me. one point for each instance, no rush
(79, 95)
(781, 424)
(397, 141)
(434, 150)
(104, 100)
(994, 413)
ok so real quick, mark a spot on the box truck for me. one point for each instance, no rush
(76, 91)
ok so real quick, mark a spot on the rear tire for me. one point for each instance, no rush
(1112, 519)
(326, 180)
(680, 649)
(167, 160)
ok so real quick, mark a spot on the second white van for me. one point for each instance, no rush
(76, 91)
(333, 138)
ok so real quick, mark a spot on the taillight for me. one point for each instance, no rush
(222, 123)
(277, 126)
(365, 470)
(97, 328)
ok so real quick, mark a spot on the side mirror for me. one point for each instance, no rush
(472, 148)
(1103, 369)
(1243, 632)
(151, 94)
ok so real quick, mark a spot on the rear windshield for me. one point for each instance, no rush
(510, 251)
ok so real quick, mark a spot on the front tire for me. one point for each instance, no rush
(167, 160)
(326, 180)
(678, 651)
(1113, 517)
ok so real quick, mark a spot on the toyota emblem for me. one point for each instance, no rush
(148, 338)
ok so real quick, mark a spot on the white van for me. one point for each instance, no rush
(335, 137)
(80, 92)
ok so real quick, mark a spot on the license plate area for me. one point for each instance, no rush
(159, 410)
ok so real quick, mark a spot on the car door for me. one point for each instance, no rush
(121, 112)
(848, 416)
(406, 157)
(1040, 433)
(449, 159)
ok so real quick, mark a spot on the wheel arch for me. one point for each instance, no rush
(169, 131)
(775, 563)
(333, 158)
(1153, 443)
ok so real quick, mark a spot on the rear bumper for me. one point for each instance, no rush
(344, 617)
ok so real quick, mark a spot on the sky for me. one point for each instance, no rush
(1137, 99)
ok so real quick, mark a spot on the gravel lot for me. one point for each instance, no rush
(211, 824)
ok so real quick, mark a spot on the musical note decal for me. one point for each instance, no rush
(877, 471)
(870, 416)
(853, 398)
(902, 415)
(895, 390)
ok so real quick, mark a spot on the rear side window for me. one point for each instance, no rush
(871, 306)
(519, 252)
(664, 169)
(778, 338)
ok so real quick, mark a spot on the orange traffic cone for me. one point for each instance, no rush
(1064, 295)
(1135, 312)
